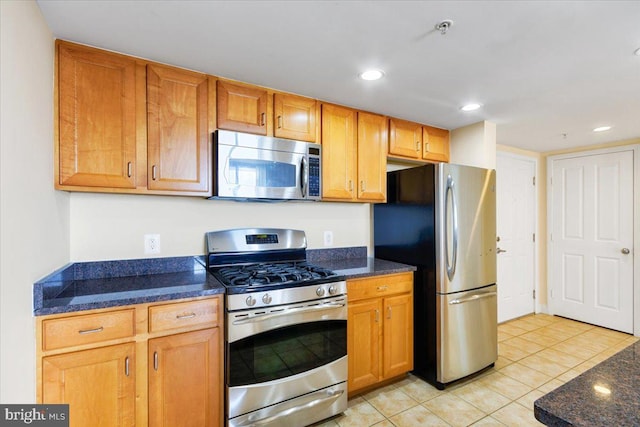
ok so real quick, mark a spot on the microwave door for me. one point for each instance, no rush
(260, 173)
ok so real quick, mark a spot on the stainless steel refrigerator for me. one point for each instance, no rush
(442, 219)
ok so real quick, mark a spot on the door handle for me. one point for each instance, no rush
(499, 251)
(625, 251)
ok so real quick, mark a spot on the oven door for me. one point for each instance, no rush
(286, 353)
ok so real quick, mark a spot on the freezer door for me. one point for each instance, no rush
(467, 338)
(465, 228)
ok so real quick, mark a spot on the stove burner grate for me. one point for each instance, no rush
(270, 273)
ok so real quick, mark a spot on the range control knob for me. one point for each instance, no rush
(320, 291)
(251, 301)
(266, 298)
(333, 289)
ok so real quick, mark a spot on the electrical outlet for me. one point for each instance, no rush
(328, 238)
(151, 244)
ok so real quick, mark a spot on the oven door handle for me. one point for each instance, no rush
(331, 396)
(297, 310)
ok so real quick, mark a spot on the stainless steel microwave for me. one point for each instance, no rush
(248, 166)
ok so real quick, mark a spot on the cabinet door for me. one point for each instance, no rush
(405, 138)
(397, 354)
(97, 384)
(435, 143)
(97, 118)
(338, 152)
(242, 108)
(178, 130)
(363, 343)
(373, 136)
(295, 117)
(185, 379)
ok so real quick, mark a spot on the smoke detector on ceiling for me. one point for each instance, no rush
(443, 26)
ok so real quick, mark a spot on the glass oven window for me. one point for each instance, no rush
(286, 351)
(262, 173)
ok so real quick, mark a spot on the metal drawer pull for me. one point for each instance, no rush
(185, 316)
(153, 172)
(155, 360)
(280, 313)
(129, 169)
(331, 396)
(126, 366)
(90, 331)
(382, 288)
(472, 298)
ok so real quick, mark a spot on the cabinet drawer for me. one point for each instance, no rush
(377, 286)
(186, 314)
(87, 329)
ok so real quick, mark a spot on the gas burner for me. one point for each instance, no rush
(261, 274)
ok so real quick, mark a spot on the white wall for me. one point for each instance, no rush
(474, 145)
(112, 226)
(34, 219)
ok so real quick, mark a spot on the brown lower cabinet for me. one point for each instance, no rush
(379, 329)
(157, 364)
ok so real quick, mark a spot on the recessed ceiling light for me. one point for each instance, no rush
(602, 128)
(372, 75)
(470, 107)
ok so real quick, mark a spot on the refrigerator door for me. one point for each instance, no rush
(467, 332)
(465, 227)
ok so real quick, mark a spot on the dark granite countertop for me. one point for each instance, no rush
(606, 395)
(90, 285)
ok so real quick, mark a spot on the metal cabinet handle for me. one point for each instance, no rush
(499, 251)
(625, 251)
(155, 360)
(91, 331)
(426, 147)
(389, 312)
(417, 145)
(262, 119)
(377, 318)
(129, 169)
(361, 186)
(279, 122)
(153, 172)
(126, 366)
(382, 288)
(185, 316)
(350, 185)
(272, 420)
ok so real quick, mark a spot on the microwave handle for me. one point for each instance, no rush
(304, 177)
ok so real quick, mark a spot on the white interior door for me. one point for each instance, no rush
(516, 222)
(591, 242)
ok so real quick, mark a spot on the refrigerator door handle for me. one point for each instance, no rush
(450, 192)
(472, 298)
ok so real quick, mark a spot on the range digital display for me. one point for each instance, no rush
(261, 239)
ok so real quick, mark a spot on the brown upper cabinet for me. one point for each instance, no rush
(435, 143)
(245, 108)
(294, 117)
(242, 108)
(98, 98)
(353, 155)
(178, 129)
(126, 125)
(409, 140)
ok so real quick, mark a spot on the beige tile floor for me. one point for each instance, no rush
(536, 354)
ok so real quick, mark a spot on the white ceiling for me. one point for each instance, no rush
(540, 68)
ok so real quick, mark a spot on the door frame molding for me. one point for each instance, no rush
(635, 149)
(538, 308)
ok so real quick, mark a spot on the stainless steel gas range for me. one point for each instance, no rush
(286, 329)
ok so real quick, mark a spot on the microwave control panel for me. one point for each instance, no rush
(314, 177)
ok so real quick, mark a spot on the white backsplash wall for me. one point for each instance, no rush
(112, 226)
